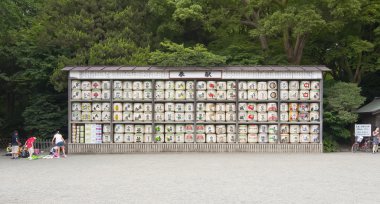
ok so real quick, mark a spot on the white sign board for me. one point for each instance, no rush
(363, 130)
(195, 74)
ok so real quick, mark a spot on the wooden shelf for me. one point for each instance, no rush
(174, 122)
(90, 122)
(257, 101)
(132, 101)
(216, 123)
(216, 101)
(259, 123)
(297, 123)
(300, 101)
(88, 101)
(175, 101)
(132, 122)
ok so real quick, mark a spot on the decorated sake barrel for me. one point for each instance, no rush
(86, 95)
(148, 116)
(284, 107)
(231, 129)
(127, 85)
(180, 128)
(117, 85)
(242, 138)
(159, 85)
(106, 116)
(139, 128)
(117, 116)
(253, 129)
(200, 129)
(118, 128)
(220, 107)
(189, 85)
(314, 94)
(252, 138)
(138, 107)
(127, 116)
(314, 116)
(76, 84)
(76, 106)
(243, 129)
(179, 138)
(304, 129)
(148, 129)
(314, 106)
(252, 116)
(231, 138)
(106, 128)
(293, 95)
(96, 85)
(263, 128)
(189, 137)
(147, 85)
(159, 95)
(169, 94)
(96, 107)
(105, 95)
(137, 95)
(169, 85)
(106, 137)
(294, 85)
(230, 116)
(139, 138)
(231, 85)
(211, 95)
(106, 85)
(159, 107)
(243, 85)
(314, 138)
(201, 107)
(211, 138)
(272, 138)
(180, 95)
(262, 95)
(210, 106)
(159, 138)
(169, 116)
(147, 94)
(294, 129)
(147, 107)
(243, 95)
(127, 94)
(179, 107)
(304, 95)
(272, 85)
(294, 138)
(189, 94)
(189, 116)
(263, 137)
(220, 116)
(118, 94)
(262, 117)
(252, 85)
(261, 107)
(118, 138)
(86, 85)
(189, 128)
(129, 138)
(304, 138)
(284, 129)
(284, 138)
(243, 106)
(272, 116)
(221, 138)
(272, 129)
(179, 116)
(169, 138)
(314, 129)
(147, 138)
(76, 94)
(86, 106)
(129, 128)
(231, 95)
(262, 86)
(230, 107)
(201, 85)
(305, 85)
(284, 116)
(293, 106)
(159, 128)
(303, 107)
(106, 107)
(221, 95)
(76, 115)
(210, 116)
(201, 95)
(200, 138)
(221, 85)
(220, 129)
(315, 85)
(252, 95)
(271, 106)
(284, 95)
(284, 85)
(293, 116)
(211, 85)
(242, 116)
(251, 107)
(169, 107)
(303, 116)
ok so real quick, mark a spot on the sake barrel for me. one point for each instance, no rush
(139, 138)
(190, 94)
(271, 106)
(96, 107)
(293, 95)
(220, 107)
(243, 138)
(211, 138)
(189, 116)
(272, 129)
(148, 116)
(86, 115)
(284, 138)
(159, 138)
(263, 137)
(147, 107)
(147, 94)
(118, 138)
(314, 129)
(160, 128)
(303, 107)
(294, 85)
(201, 85)
(169, 85)
(106, 137)
(147, 85)
(251, 107)
(118, 128)
(139, 129)
(189, 107)
(304, 95)
(314, 138)
(272, 138)
(200, 116)
(243, 129)
(117, 116)
(106, 128)
(272, 85)
(262, 95)
(179, 138)
(159, 95)
(118, 94)
(159, 85)
(147, 138)
(304, 129)
(231, 129)
(252, 85)
(293, 106)
(86, 95)
(304, 138)
(86, 106)
(96, 85)
(231, 95)
(148, 129)
(243, 106)
(201, 95)
(200, 129)
(128, 128)
(76, 94)
(211, 85)
(201, 107)
(242, 116)
(294, 138)
(303, 117)
(294, 129)
(314, 116)
(231, 138)
(263, 129)
(189, 85)
(169, 107)
(96, 94)
(293, 116)
(189, 137)
(159, 107)
(137, 95)
(189, 128)
(138, 107)
(305, 85)
(220, 116)
(180, 95)
(262, 86)
(200, 138)
(169, 94)
(221, 138)
(76, 106)
(284, 116)
(252, 138)
(221, 85)
(210, 116)
(243, 85)
(314, 94)
(127, 94)
(76, 84)
(129, 138)
(169, 138)
(221, 95)
(262, 116)
(252, 95)
(179, 107)
(127, 85)
(284, 129)
(230, 107)
(284, 107)
(210, 106)
(76, 116)
(220, 129)
(284, 95)
(106, 107)
(252, 116)
(284, 85)
(117, 85)
(209, 129)
(231, 85)
(253, 129)
(106, 85)
(169, 116)
(211, 95)
(315, 85)
(243, 95)
(86, 85)
(179, 116)
(106, 116)
(127, 116)
(180, 128)
(314, 106)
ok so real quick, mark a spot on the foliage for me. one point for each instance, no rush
(330, 145)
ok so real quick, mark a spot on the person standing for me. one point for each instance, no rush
(30, 145)
(376, 137)
(15, 144)
(60, 143)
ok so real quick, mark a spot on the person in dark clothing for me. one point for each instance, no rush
(15, 144)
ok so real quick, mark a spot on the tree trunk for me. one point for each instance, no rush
(263, 43)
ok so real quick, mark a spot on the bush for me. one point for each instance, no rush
(330, 145)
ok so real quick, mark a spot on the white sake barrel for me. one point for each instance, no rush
(96, 94)
(221, 95)
(200, 138)
(243, 138)
(127, 95)
(231, 95)
(106, 107)
(231, 138)
(159, 95)
(261, 107)
(220, 107)
(284, 129)
(106, 85)
(189, 85)
(118, 94)
(262, 117)
(211, 85)
(169, 107)
(201, 85)
(304, 138)
(159, 85)
(210, 106)
(76, 84)
(221, 138)
(118, 138)
(231, 85)
(148, 116)
(252, 95)
(127, 85)
(200, 129)
(127, 116)
(243, 129)
(272, 116)
(148, 129)
(304, 95)
(209, 129)
(262, 86)
(294, 129)
(243, 95)
(211, 95)
(106, 128)
(200, 116)
(179, 116)
(137, 95)
(201, 95)
(211, 138)
(86, 95)
(304, 129)
(252, 138)
(86, 115)
(294, 138)
(189, 107)
(272, 129)
(315, 85)
(314, 94)
(138, 107)
(284, 138)
(189, 116)
(169, 94)
(263, 129)
(76, 106)
(96, 85)
(138, 116)
(159, 107)
(129, 138)
(293, 116)
(147, 94)
(169, 85)
(252, 85)
(220, 129)
(284, 85)
(210, 116)
(76, 116)
(243, 106)
(243, 85)
(160, 128)
(96, 107)
(180, 95)
(76, 94)
(128, 128)
(106, 116)
(220, 116)
(314, 129)
(263, 137)
(303, 116)
(294, 85)
(314, 116)
(272, 85)
(314, 106)
(147, 138)
(179, 107)
(159, 138)
(179, 138)
(231, 129)
(284, 116)
(106, 138)
(284, 107)
(305, 85)
(271, 106)
(201, 107)
(86, 85)
(284, 95)
(139, 138)
(293, 95)
(253, 129)
(230, 107)
(117, 85)
(86, 107)
(262, 95)
(304, 107)
(180, 128)
(242, 116)
(139, 129)
(190, 94)
(293, 106)
(119, 128)
(252, 116)
(251, 107)
(169, 116)
(221, 85)
(169, 138)
(230, 116)
(272, 138)
(147, 107)
(189, 128)
(147, 85)
(314, 138)
(272, 95)
(189, 137)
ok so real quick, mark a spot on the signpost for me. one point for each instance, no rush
(362, 130)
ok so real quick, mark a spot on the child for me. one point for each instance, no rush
(15, 145)
(29, 144)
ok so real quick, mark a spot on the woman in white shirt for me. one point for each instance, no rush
(60, 143)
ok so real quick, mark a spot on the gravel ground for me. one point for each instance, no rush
(193, 178)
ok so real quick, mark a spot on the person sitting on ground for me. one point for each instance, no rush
(15, 145)
(29, 144)
(60, 143)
